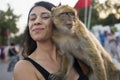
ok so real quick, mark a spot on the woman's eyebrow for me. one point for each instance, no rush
(42, 13)
(32, 14)
(45, 13)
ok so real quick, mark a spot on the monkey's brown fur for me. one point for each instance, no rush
(74, 39)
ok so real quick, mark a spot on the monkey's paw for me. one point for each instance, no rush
(55, 77)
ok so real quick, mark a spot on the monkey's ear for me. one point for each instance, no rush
(60, 4)
(53, 8)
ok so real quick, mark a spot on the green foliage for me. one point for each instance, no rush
(97, 8)
(94, 16)
(113, 29)
(7, 22)
(18, 39)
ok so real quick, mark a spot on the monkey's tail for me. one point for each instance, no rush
(117, 64)
(111, 65)
(113, 75)
(113, 71)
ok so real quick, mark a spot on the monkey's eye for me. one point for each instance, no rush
(71, 13)
(66, 16)
(67, 13)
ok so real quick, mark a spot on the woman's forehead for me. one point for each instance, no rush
(39, 10)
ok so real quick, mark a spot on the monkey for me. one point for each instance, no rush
(74, 40)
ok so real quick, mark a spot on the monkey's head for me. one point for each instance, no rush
(64, 17)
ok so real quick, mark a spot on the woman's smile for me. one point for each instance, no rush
(38, 30)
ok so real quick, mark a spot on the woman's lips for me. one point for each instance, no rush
(38, 29)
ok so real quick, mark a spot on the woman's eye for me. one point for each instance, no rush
(32, 19)
(45, 17)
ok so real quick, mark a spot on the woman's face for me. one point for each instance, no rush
(40, 24)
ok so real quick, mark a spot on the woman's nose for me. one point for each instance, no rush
(38, 21)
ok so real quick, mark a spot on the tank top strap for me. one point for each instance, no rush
(44, 72)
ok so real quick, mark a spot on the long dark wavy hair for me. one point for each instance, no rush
(29, 45)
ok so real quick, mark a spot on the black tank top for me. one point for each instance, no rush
(46, 74)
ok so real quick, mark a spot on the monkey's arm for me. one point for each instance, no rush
(84, 67)
(93, 56)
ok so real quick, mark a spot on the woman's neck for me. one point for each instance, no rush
(46, 46)
(46, 50)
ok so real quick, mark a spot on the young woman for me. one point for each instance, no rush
(41, 55)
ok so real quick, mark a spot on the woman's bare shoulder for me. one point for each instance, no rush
(22, 64)
(24, 71)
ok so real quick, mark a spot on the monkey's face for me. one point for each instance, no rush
(64, 18)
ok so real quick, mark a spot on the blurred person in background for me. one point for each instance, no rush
(2, 54)
(12, 56)
(102, 37)
(118, 46)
